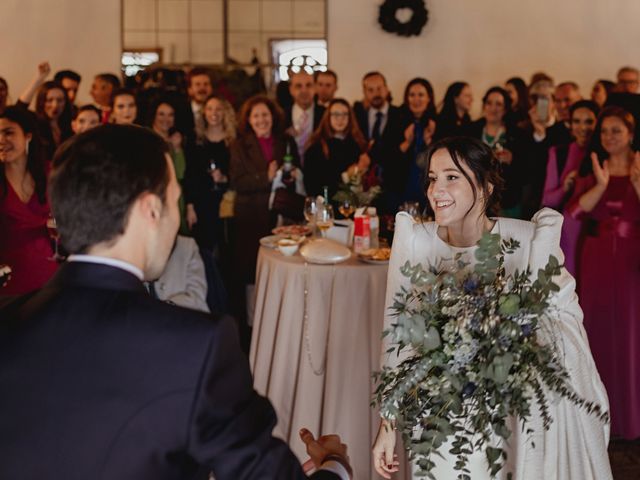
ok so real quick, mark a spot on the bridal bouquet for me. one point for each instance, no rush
(478, 347)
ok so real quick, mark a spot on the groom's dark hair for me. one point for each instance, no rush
(96, 178)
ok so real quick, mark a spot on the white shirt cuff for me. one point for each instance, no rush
(335, 467)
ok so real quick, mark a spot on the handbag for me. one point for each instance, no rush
(289, 204)
(227, 204)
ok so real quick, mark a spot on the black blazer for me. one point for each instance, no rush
(101, 381)
(385, 153)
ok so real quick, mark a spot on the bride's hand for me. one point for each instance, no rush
(384, 460)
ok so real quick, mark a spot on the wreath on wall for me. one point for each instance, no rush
(391, 9)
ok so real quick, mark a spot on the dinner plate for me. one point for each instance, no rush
(325, 252)
(289, 230)
(270, 241)
(372, 261)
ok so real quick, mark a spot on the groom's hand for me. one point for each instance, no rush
(325, 448)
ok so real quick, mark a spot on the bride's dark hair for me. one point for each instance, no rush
(479, 158)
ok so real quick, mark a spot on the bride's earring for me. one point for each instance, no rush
(26, 148)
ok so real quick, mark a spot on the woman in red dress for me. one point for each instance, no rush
(24, 243)
(609, 268)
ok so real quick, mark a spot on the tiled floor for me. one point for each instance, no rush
(625, 459)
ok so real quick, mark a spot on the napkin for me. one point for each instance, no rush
(341, 232)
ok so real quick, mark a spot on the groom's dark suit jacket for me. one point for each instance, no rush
(100, 381)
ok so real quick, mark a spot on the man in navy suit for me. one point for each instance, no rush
(101, 381)
(382, 124)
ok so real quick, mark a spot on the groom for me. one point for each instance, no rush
(99, 380)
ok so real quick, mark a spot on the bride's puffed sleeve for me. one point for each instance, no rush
(578, 439)
(401, 252)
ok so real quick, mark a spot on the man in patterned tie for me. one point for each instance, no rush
(305, 115)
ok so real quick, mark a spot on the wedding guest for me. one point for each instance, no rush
(24, 210)
(508, 142)
(382, 126)
(305, 114)
(162, 121)
(326, 84)
(403, 176)
(102, 88)
(609, 277)
(124, 109)
(566, 94)
(207, 174)
(519, 94)
(86, 117)
(628, 80)
(256, 156)
(454, 113)
(70, 81)
(53, 112)
(562, 169)
(199, 88)
(547, 127)
(601, 90)
(336, 146)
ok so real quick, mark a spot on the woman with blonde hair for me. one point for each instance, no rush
(207, 175)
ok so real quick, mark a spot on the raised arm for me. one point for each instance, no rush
(44, 69)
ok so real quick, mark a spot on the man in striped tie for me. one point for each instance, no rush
(305, 115)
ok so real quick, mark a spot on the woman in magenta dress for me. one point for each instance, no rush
(609, 267)
(24, 243)
(562, 168)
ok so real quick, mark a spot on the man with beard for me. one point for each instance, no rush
(199, 89)
(381, 124)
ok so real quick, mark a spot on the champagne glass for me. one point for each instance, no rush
(324, 218)
(310, 209)
(52, 230)
(346, 208)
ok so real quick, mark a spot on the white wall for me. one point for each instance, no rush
(83, 35)
(485, 42)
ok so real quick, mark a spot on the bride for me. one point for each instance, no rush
(463, 191)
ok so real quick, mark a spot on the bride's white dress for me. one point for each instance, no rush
(575, 446)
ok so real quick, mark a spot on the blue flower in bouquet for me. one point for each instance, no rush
(470, 285)
(527, 329)
(468, 389)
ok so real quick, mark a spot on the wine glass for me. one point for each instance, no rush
(210, 170)
(310, 209)
(52, 230)
(346, 208)
(324, 218)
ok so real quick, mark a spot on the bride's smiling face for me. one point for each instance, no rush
(450, 193)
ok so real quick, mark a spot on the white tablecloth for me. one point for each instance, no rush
(319, 376)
